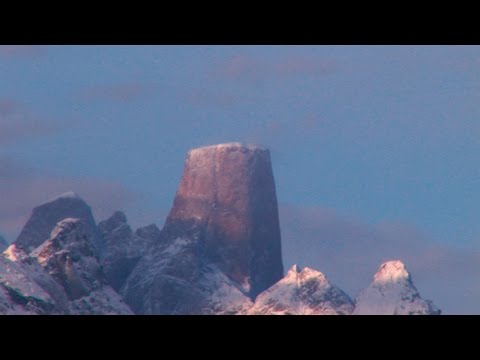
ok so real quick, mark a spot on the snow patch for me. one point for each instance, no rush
(232, 145)
(391, 271)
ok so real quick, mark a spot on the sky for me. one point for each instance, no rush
(374, 148)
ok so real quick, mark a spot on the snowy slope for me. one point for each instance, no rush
(19, 294)
(392, 292)
(175, 277)
(61, 276)
(302, 292)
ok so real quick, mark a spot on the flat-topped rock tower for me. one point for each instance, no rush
(228, 190)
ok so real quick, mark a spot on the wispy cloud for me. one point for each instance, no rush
(23, 187)
(17, 121)
(349, 251)
(248, 68)
(29, 51)
(277, 132)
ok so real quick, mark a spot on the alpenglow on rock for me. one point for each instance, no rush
(45, 217)
(392, 293)
(220, 245)
(228, 191)
(302, 292)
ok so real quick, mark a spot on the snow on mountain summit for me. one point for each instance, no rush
(391, 271)
(66, 195)
(302, 292)
(392, 292)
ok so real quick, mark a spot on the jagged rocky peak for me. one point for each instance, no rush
(68, 245)
(69, 257)
(123, 248)
(150, 232)
(115, 221)
(392, 292)
(227, 197)
(45, 217)
(302, 292)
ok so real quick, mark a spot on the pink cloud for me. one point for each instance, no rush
(240, 67)
(16, 121)
(278, 132)
(8, 107)
(243, 67)
(21, 50)
(305, 66)
(22, 188)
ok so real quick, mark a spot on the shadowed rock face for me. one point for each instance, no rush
(228, 191)
(45, 217)
(3, 243)
(123, 248)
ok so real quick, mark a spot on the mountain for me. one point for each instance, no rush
(20, 294)
(218, 253)
(223, 224)
(65, 273)
(302, 292)
(392, 292)
(227, 193)
(45, 217)
(123, 248)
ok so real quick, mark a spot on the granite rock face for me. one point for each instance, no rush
(228, 192)
(392, 292)
(224, 226)
(45, 217)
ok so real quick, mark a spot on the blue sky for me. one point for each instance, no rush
(375, 134)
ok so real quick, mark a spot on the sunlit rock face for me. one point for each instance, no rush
(222, 236)
(45, 217)
(392, 292)
(228, 191)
